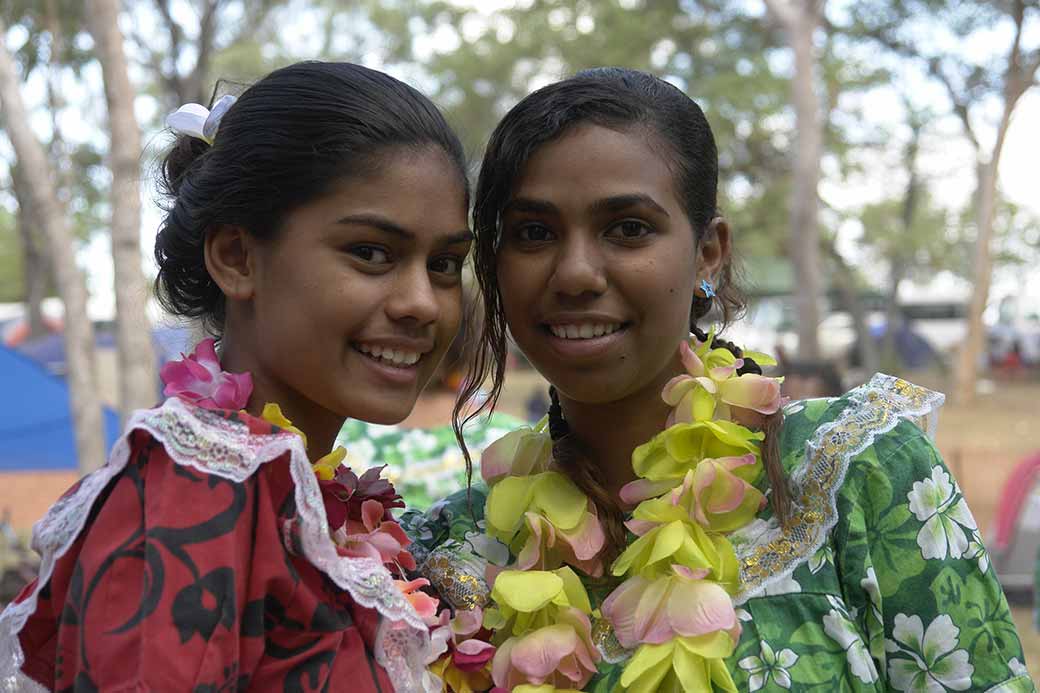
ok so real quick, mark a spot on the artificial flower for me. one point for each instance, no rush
(424, 604)
(683, 663)
(530, 599)
(550, 494)
(465, 665)
(198, 379)
(325, 468)
(681, 604)
(677, 450)
(679, 542)
(716, 494)
(272, 413)
(374, 537)
(354, 491)
(561, 654)
(545, 547)
(711, 378)
(522, 452)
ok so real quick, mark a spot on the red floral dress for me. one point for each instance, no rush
(199, 560)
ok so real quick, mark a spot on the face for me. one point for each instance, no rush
(356, 301)
(597, 264)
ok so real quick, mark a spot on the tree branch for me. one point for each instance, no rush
(960, 106)
(174, 30)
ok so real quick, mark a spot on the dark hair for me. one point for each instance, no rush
(285, 141)
(619, 99)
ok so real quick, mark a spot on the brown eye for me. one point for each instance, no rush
(370, 253)
(534, 233)
(630, 230)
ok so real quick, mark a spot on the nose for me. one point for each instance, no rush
(413, 299)
(579, 268)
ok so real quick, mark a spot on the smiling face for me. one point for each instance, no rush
(356, 301)
(597, 264)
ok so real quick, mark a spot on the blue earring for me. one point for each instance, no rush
(707, 288)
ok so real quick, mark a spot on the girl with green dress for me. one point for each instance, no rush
(672, 525)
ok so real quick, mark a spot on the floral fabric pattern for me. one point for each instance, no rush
(901, 596)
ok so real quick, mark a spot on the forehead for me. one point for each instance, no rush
(420, 189)
(592, 161)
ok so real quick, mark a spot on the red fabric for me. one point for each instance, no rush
(182, 581)
(1016, 490)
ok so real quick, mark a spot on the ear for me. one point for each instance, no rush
(714, 249)
(230, 259)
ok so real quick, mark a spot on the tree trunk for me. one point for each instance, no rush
(137, 371)
(79, 333)
(974, 344)
(973, 347)
(35, 271)
(800, 20)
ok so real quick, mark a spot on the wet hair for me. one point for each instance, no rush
(286, 141)
(627, 101)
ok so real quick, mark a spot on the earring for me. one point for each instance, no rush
(708, 288)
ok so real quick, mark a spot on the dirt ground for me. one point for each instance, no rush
(981, 444)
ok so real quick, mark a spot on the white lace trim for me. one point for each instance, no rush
(206, 441)
(769, 553)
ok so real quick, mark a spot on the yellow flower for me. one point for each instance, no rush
(272, 413)
(672, 453)
(681, 664)
(677, 542)
(550, 494)
(530, 599)
(325, 468)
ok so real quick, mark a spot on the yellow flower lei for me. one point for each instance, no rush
(674, 606)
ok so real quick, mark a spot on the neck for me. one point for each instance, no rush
(319, 424)
(609, 431)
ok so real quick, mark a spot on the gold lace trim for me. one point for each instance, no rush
(771, 553)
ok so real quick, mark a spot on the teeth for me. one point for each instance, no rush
(397, 357)
(584, 331)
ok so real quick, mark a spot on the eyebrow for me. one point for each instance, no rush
(615, 203)
(386, 226)
(619, 203)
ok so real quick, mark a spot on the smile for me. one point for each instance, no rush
(584, 330)
(401, 358)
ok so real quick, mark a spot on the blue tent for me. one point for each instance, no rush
(35, 422)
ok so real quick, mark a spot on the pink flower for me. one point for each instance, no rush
(424, 604)
(548, 547)
(197, 378)
(472, 655)
(374, 537)
(561, 655)
(677, 605)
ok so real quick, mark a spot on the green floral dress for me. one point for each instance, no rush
(424, 464)
(879, 583)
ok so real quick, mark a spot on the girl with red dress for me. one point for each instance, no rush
(317, 228)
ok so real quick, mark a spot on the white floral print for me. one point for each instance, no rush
(821, 558)
(1017, 668)
(787, 585)
(931, 664)
(936, 502)
(843, 631)
(770, 664)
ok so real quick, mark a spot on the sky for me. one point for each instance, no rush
(946, 159)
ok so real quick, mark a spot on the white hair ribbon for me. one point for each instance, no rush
(195, 120)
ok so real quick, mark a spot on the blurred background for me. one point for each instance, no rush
(877, 165)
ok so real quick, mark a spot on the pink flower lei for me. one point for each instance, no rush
(358, 508)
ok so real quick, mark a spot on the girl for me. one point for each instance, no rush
(317, 226)
(669, 526)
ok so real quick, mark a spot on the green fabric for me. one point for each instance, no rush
(424, 464)
(901, 596)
